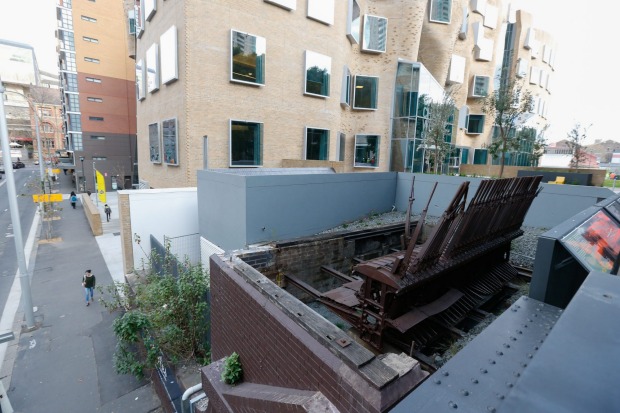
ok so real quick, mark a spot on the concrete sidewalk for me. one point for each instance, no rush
(66, 364)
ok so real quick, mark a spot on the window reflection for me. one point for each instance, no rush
(366, 91)
(367, 150)
(318, 69)
(246, 143)
(375, 34)
(248, 58)
(317, 144)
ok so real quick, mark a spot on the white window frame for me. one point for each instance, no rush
(321, 11)
(150, 7)
(285, 4)
(169, 62)
(305, 152)
(354, 87)
(262, 145)
(314, 55)
(368, 18)
(472, 90)
(354, 23)
(152, 68)
(430, 12)
(232, 31)
(366, 165)
(345, 90)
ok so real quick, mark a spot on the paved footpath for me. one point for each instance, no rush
(65, 365)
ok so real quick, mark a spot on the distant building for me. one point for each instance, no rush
(559, 155)
(98, 84)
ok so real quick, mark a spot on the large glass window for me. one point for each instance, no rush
(480, 156)
(152, 68)
(170, 140)
(246, 143)
(475, 124)
(317, 144)
(353, 22)
(154, 143)
(73, 102)
(375, 34)
(480, 86)
(75, 123)
(66, 40)
(318, 69)
(366, 151)
(70, 82)
(441, 11)
(247, 58)
(365, 92)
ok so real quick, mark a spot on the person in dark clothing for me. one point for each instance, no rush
(108, 212)
(88, 282)
(73, 199)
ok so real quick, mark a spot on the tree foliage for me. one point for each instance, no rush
(506, 106)
(441, 114)
(167, 314)
(575, 139)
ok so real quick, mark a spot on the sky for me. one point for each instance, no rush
(583, 88)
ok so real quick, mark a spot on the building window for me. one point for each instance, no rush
(318, 69)
(91, 60)
(247, 58)
(475, 124)
(321, 11)
(441, 11)
(353, 22)
(131, 18)
(89, 19)
(365, 92)
(341, 143)
(345, 90)
(97, 137)
(140, 84)
(317, 144)
(70, 82)
(65, 38)
(152, 68)
(366, 151)
(150, 7)
(75, 141)
(91, 99)
(46, 112)
(96, 118)
(93, 80)
(90, 39)
(47, 128)
(285, 4)
(375, 34)
(480, 87)
(73, 102)
(75, 124)
(154, 143)
(480, 156)
(169, 57)
(170, 140)
(246, 143)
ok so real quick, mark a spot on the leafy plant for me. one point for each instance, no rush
(232, 373)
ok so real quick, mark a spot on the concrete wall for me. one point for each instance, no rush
(553, 205)
(170, 212)
(598, 175)
(92, 215)
(238, 209)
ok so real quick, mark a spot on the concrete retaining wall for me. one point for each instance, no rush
(92, 215)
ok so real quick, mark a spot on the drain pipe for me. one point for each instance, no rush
(186, 394)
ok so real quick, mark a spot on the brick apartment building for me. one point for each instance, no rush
(98, 91)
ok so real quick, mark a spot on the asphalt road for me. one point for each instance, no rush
(26, 184)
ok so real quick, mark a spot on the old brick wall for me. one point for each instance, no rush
(276, 351)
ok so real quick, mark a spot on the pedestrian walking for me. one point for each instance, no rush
(73, 198)
(88, 282)
(107, 211)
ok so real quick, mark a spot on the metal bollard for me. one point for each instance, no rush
(5, 404)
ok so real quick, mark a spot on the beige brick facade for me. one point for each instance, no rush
(204, 100)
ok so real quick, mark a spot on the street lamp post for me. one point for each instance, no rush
(83, 176)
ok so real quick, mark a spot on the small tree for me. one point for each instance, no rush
(506, 105)
(441, 114)
(574, 141)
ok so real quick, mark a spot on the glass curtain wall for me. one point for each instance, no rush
(415, 88)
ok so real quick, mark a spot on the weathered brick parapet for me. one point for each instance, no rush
(283, 343)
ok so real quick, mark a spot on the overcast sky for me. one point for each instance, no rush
(584, 87)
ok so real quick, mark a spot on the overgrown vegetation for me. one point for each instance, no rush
(161, 319)
(232, 373)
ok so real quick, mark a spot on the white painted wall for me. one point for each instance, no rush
(171, 212)
(555, 160)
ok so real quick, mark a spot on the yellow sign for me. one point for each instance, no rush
(100, 186)
(47, 198)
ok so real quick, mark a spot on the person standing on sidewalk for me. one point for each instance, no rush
(73, 199)
(107, 211)
(88, 282)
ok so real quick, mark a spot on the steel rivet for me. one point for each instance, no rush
(475, 381)
(453, 405)
(524, 365)
(519, 332)
(445, 373)
(500, 396)
(491, 409)
(529, 356)
(506, 345)
(484, 371)
(517, 374)
(491, 361)
(509, 384)
(464, 392)
(513, 338)
(535, 347)
(437, 381)
(499, 353)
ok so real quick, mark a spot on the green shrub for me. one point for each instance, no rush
(232, 373)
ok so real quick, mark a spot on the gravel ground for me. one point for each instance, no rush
(521, 255)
